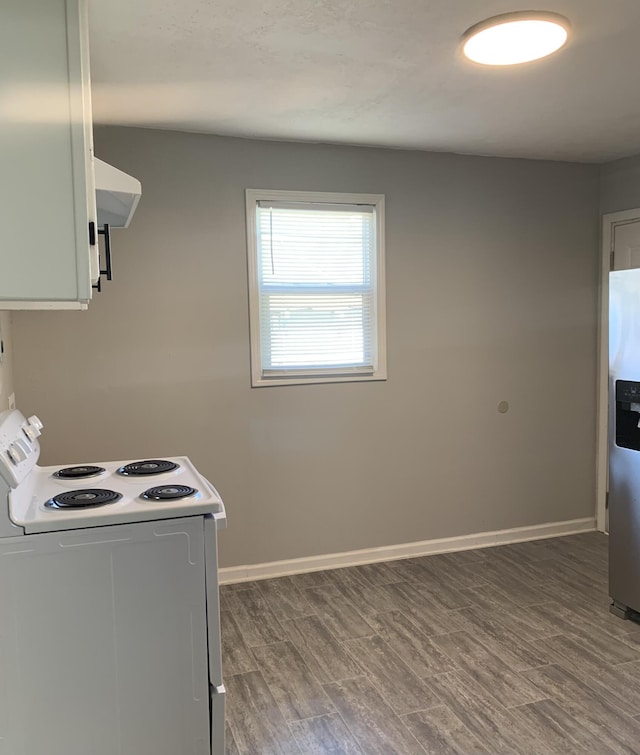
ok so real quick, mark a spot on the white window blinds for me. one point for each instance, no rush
(316, 272)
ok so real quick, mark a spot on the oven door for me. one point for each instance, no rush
(104, 640)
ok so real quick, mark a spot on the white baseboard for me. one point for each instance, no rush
(250, 572)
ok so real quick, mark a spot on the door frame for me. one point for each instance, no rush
(610, 222)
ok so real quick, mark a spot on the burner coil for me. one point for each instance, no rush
(148, 467)
(79, 472)
(83, 499)
(168, 493)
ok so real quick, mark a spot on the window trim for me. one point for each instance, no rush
(252, 197)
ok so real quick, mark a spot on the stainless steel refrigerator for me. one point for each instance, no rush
(624, 442)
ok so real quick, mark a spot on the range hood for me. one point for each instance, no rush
(117, 195)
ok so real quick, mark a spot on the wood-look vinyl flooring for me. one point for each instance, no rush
(509, 649)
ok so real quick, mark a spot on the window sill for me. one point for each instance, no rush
(261, 382)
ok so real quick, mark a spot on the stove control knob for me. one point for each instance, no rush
(31, 432)
(18, 451)
(35, 422)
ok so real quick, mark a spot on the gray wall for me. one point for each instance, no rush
(491, 291)
(6, 365)
(620, 185)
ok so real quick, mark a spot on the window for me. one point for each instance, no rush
(316, 287)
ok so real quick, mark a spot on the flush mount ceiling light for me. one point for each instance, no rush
(513, 38)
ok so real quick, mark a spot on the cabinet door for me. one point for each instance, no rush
(47, 197)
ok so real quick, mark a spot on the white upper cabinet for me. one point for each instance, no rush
(47, 193)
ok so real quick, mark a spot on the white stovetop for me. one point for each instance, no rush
(27, 501)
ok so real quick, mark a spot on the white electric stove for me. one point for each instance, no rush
(109, 611)
(94, 495)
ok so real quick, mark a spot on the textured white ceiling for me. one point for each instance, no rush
(371, 72)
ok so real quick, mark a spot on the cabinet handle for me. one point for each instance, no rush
(106, 232)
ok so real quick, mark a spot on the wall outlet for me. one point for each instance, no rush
(12, 401)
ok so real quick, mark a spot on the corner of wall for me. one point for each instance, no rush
(6, 361)
(620, 185)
